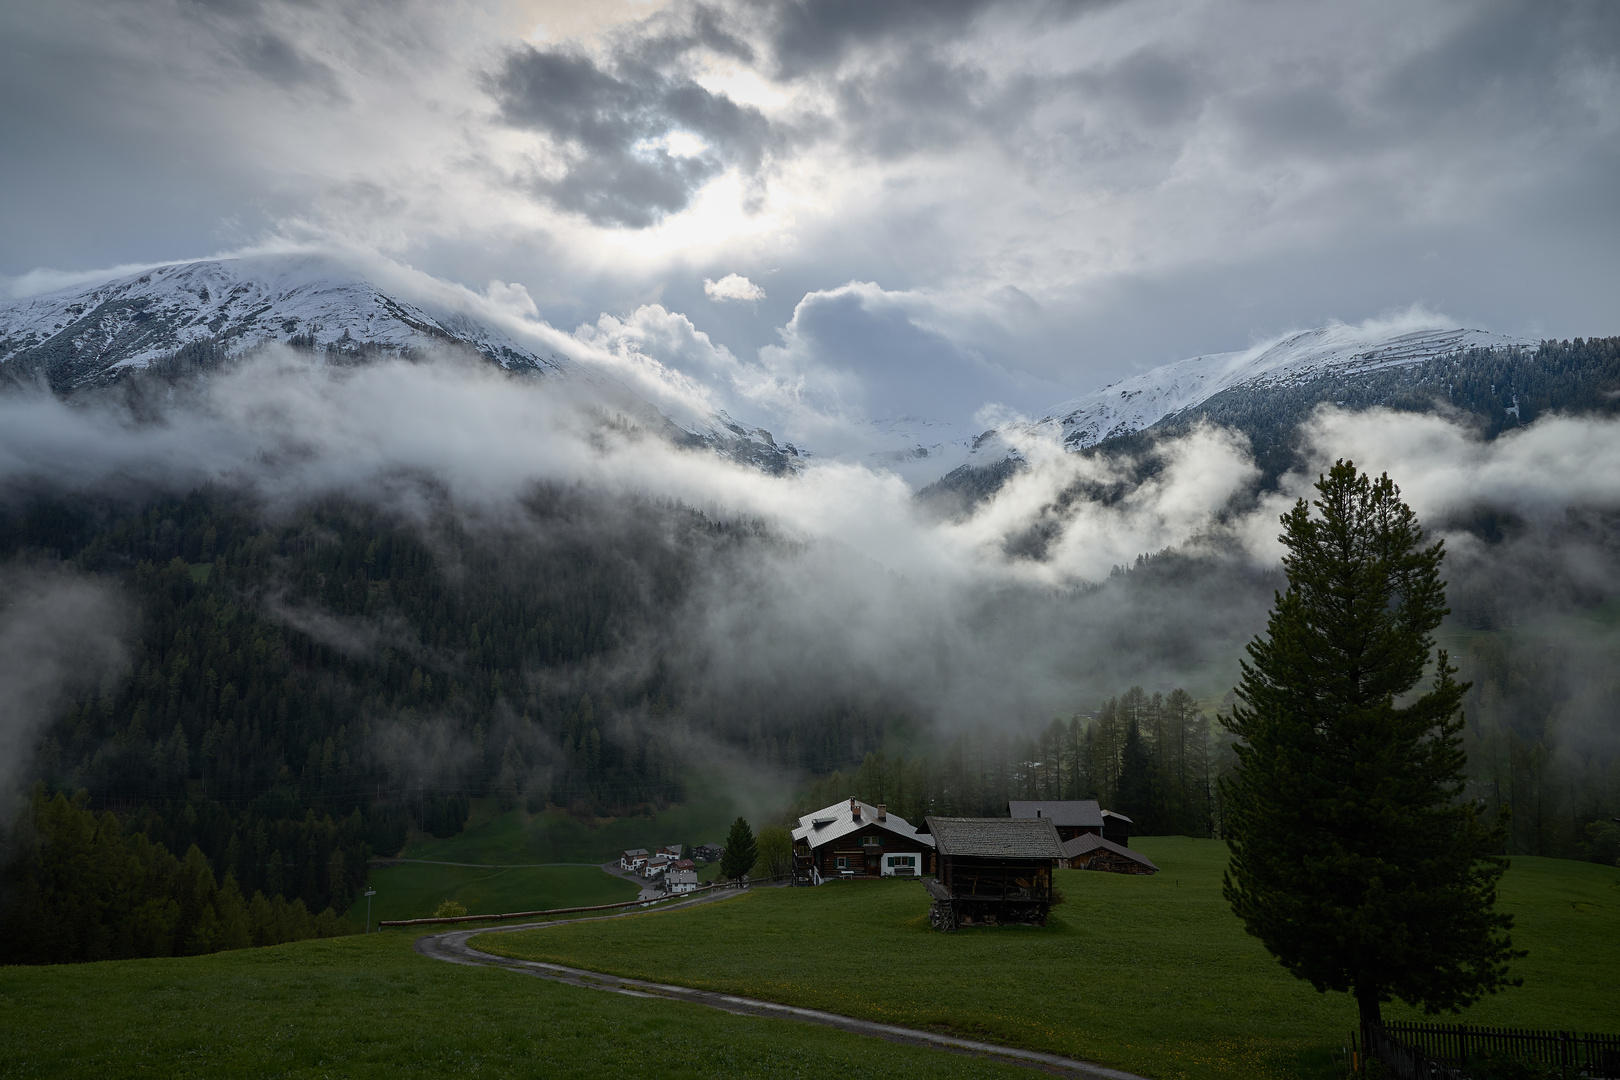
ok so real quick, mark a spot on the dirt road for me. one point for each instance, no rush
(451, 946)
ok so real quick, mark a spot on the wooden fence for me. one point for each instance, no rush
(1413, 1051)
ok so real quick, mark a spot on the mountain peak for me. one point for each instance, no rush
(1141, 401)
(89, 335)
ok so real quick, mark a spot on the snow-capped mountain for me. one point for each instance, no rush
(86, 337)
(1343, 351)
(83, 337)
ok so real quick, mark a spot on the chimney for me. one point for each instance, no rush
(854, 808)
(1037, 811)
(883, 812)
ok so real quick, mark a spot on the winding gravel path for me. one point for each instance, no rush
(451, 946)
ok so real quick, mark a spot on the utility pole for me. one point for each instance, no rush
(369, 894)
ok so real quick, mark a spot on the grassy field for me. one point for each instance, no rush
(504, 846)
(1149, 974)
(366, 1006)
(555, 836)
(413, 890)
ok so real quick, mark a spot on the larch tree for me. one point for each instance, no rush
(1355, 858)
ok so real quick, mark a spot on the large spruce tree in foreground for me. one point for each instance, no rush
(1354, 857)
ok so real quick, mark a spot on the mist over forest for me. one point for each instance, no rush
(292, 613)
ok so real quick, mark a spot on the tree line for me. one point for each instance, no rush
(82, 886)
(1148, 756)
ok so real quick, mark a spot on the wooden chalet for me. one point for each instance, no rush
(1076, 817)
(1088, 852)
(1072, 817)
(992, 870)
(854, 840)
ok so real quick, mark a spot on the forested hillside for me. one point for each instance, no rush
(302, 689)
(1148, 756)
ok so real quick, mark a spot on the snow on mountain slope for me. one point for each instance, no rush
(1143, 400)
(84, 336)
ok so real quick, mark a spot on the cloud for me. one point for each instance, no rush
(732, 287)
(61, 632)
(632, 144)
(1147, 181)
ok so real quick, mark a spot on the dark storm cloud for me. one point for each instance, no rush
(611, 122)
(808, 37)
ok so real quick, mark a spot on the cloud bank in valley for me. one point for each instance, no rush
(1006, 613)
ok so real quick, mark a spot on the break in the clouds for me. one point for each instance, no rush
(929, 208)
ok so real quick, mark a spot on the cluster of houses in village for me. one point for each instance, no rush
(980, 870)
(667, 866)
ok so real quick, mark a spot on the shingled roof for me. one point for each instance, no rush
(1086, 843)
(1079, 813)
(997, 838)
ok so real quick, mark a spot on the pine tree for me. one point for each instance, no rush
(1136, 787)
(741, 851)
(1354, 858)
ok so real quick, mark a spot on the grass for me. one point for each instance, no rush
(413, 890)
(1149, 974)
(523, 862)
(555, 836)
(367, 1006)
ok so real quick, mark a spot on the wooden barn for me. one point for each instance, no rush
(1072, 817)
(1089, 852)
(854, 840)
(1076, 817)
(992, 871)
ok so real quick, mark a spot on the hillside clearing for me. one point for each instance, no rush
(1153, 975)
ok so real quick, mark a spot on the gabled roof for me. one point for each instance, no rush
(681, 877)
(1081, 813)
(1087, 842)
(633, 852)
(1003, 838)
(1117, 814)
(851, 816)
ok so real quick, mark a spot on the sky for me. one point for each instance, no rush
(947, 210)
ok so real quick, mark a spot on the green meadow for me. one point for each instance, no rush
(413, 890)
(367, 1006)
(1149, 974)
(513, 861)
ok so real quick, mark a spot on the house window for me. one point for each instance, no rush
(871, 841)
(842, 862)
(902, 860)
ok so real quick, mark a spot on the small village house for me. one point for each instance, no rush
(854, 840)
(681, 881)
(633, 858)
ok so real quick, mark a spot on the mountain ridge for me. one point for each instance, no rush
(84, 337)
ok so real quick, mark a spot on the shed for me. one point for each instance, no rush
(992, 870)
(1099, 853)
